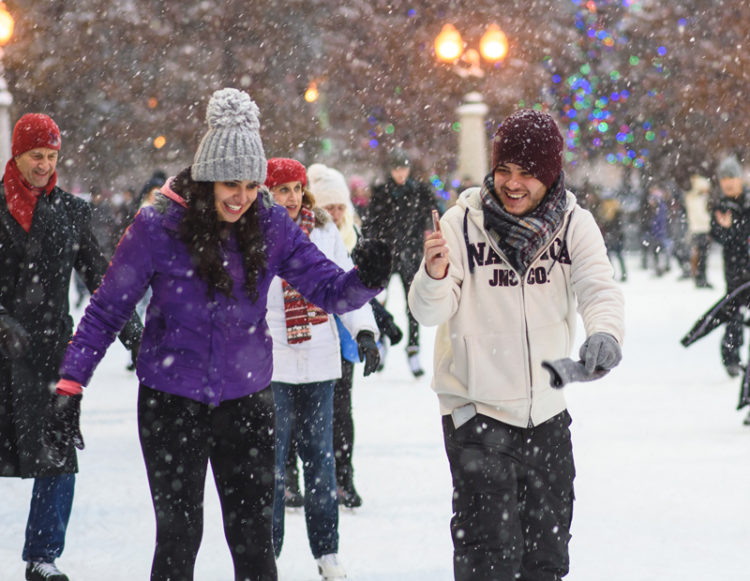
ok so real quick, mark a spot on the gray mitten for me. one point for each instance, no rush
(565, 371)
(600, 351)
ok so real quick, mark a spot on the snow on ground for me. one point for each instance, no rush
(661, 455)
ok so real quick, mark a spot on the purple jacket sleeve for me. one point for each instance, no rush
(112, 304)
(319, 279)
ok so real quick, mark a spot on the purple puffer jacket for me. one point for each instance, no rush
(205, 350)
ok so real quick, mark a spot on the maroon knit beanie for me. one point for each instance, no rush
(532, 140)
(282, 170)
(35, 130)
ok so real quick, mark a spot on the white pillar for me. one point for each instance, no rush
(6, 100)
(472, 140)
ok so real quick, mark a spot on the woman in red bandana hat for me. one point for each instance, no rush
(307, 363)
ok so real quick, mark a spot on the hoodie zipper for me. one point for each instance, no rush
(565, 224)
(522, 281)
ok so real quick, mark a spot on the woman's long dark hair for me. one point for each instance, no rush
(203, 234)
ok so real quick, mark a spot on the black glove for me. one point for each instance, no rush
(600, 351)
(374, 261)
(368, 351)
(134, 356)
(62, 427)
(14, 340)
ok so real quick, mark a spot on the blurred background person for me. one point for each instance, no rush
(697, 209)
(730, 227)
(360, 196)
(400, 212)
(609, 216)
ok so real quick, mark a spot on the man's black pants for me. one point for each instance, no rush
(512, 499)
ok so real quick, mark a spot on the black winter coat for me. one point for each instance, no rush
(735, 240)
(400, 215)
(35, 272)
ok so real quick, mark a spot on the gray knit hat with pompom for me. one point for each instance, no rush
(231, 149)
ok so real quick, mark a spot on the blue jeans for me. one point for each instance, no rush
(309, 409)
(51, 502)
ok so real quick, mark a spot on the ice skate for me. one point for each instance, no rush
(330, 568)
(40, 571)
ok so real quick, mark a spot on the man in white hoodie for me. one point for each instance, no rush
(503, 276)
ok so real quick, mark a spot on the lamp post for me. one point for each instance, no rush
(6, 99)
(467, 62)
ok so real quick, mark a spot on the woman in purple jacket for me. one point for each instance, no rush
(208, 250)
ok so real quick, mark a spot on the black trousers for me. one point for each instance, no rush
(343, 424)
(407, 269)
(512, 499)
(734, 331)
(179, 438)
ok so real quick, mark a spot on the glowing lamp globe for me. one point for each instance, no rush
(494, 44)
(448, 44)
(6, 25)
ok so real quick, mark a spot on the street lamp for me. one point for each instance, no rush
(450, 48)
(6, 99)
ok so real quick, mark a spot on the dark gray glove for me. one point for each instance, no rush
(374, 261)
(14, 340)
(368, 351)
(565, 371)
(600, 351)
(62, 427)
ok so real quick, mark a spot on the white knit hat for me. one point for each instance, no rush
(327, 185)
(729, 167)
(231, 149)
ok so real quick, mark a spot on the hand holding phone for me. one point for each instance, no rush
(436, 223)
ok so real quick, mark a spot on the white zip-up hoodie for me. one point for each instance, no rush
(495, 328)
(318, 359)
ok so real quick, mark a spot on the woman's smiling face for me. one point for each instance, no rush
(289, 195)
(232, 199)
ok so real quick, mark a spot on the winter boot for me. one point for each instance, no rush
(330, 568)
(40, 571)
(746, 421)
(733, 369)
(393, 332)
(348, 497)
(412, 352)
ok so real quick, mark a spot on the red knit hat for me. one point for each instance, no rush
(532, 140)
(282, 170)
(35, 130)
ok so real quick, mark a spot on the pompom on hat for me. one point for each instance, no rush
(282, 170)
(35, 130)
(327, 185)
(532, 140)
(231, 149)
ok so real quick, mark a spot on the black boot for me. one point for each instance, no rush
(41, 571)
(348, 497)
(347, 494)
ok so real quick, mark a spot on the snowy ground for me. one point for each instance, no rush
(661, 453)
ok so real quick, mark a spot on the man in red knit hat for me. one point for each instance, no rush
(504, 276)
(45, 233)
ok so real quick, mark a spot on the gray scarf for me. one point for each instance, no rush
(521, 237)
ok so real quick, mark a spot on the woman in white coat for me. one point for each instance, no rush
(307, 363)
